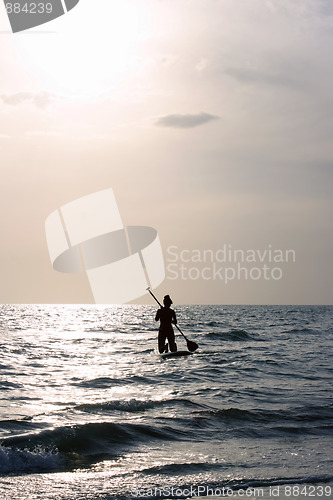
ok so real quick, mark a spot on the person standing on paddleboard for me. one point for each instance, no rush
(167, 316)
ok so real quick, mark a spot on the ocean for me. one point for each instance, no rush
(89, 410)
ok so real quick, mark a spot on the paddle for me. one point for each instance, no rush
(191, 346)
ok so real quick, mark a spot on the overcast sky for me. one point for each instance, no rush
(212, 120)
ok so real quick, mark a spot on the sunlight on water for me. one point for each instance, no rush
(89, 407)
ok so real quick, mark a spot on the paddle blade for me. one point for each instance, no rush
(192, 346)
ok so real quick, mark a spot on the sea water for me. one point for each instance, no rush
(89, 410)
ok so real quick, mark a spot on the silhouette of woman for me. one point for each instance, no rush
(167, 316)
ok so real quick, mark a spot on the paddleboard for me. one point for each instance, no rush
(175, 354)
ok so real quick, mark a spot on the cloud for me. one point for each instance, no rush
(40, 99)
(185, 121)
(4, 137)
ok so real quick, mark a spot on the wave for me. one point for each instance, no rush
(25, 424)
(136, 405)
(6, 386)
(214, 324)
(132, 406)
(39, 460)
(233, 335)
(299, 414)
(105, 382)
(265, 423)
(74, 446)
(189, 468)
(304, 330)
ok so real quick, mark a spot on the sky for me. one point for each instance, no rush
(212, 122)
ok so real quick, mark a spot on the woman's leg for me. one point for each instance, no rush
(172, 343)
(161, 341)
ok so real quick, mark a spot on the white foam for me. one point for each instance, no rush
(14, 460)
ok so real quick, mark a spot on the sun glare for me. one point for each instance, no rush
(90, 52)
